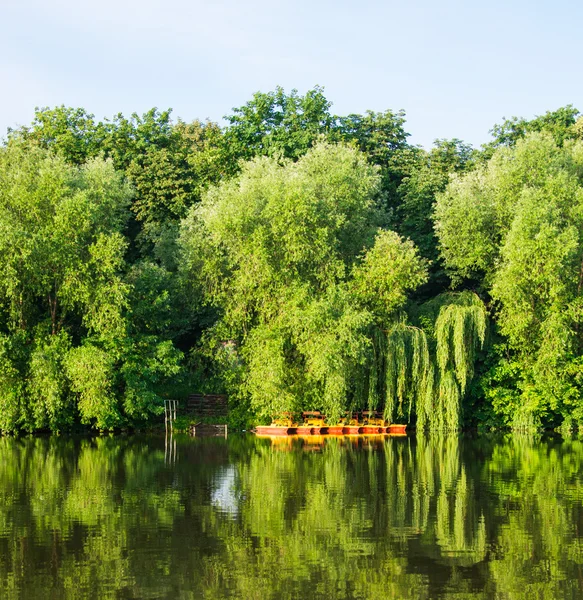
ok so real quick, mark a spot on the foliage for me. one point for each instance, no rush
(298, 258)
(279, 252)
(64, 299)
(427, 369)
(52, 405)
(168, 165)
(278, 124)
(516, 222)
(429, 176)
(560, 124)
(387, 271)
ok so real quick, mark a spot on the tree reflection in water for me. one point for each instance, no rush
(423, 517)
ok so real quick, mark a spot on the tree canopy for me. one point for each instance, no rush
(279, 252)
(515, 224)
(294, 259)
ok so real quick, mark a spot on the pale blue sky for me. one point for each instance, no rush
(455, 67)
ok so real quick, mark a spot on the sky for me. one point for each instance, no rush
(455, 67)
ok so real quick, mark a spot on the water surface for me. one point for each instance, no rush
(139, 517)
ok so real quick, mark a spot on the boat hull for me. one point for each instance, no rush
(351, 429)
(310, 430)
(304, 430)
(369, 429)
(335, 430)
(274, 430)
(319, 430)
(397, 429)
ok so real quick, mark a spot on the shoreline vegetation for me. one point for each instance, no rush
(293, 260)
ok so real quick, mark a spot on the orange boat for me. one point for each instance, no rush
(282, 424)
(397, 429)
(274, 430)
(365, 423)
(375, 419)
(335, 429)
(315, 420)
(352, 426)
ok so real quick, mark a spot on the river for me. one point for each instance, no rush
(414, 517)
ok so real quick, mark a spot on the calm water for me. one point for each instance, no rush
(132, 517)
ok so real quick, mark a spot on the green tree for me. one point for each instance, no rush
(71, 132)
(278, 124)
(382, 137)
(418, 190)
(65, 313)
(560, 124)
(168, 165)
(516, 223)
(278, 251)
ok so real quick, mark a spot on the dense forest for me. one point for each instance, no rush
(293, 260)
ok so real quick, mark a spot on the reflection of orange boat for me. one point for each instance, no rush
(373, 441)
(282, 442)
(313, 443)
(315, 440)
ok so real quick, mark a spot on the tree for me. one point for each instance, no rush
(382, 137)
(288, 125)
(71, 132)
(278, 251)
(516, 222)
(278, 124)
(65, 317)
(560, 124)
(429, 176)
(168, 165)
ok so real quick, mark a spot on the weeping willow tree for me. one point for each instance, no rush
(460, 332)
(428, 370)
(409, 371)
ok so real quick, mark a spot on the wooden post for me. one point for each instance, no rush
(170, 412)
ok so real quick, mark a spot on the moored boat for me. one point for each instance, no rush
(304, 430)
(369, 429)
(397, 429)
(351, 429)
(364, 423)
(274, 430)
(352, 425)
(373, 422)
(320, 430)
(315, 420)
(335, 429)
(282, 424)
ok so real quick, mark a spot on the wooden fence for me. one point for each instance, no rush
(208, 405)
